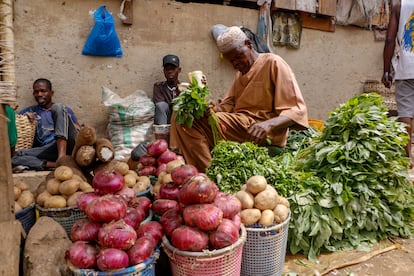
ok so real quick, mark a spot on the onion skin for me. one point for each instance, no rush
(180, 174)
(108, 182)
(141, 202)
(111, 259)
(166, 157)
(198, 189)
(188, 238)
(228, 203)
(134, 217)
(106, 208)
(160, 206)
(225, 235)
(171, 220)
(83, 200)
(168, 191)
(84, 230)
(147, 170)
(82, 255)
(157, 147)
(127, 193)
(141, 251)
(147, 160)
(206, 217)
(117, 235)
(152, 229)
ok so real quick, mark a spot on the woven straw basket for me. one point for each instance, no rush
(388, 94)
(25, 132)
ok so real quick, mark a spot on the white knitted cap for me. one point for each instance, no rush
(231, 38)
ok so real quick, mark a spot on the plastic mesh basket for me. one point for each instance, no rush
(388, 94)
(64, 216)
(146, 268)
(265, 249)
(221, 262)
(27, 217)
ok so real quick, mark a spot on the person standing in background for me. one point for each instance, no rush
(401, 30)
(165, 91)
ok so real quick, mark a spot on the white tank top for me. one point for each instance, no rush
(404, 66)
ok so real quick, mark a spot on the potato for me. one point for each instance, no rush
(85, 187)
(71, 201)
(156, 188)
(133, 173)
(282, 200)
(41, 198)
(21, 184)
(121, 167)
(243, 187)
(267, 218)
(173, 164)
(17, 192)
(69, 187)
(250, 216)
(52, 186)
(130, 180)
(166, 178)
(281, 213)
(246, 199)
(63, 173)
(17, 207)
(25, 199)
(144, 179)
(256, 184)
(266, 199)
(55, 201)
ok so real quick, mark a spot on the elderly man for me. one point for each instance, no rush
(262, 104)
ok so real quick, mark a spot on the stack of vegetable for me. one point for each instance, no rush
(196, 216)
(358, 191)
(113, 236)
(261, 203)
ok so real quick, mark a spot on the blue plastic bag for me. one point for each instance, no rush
(103, 39)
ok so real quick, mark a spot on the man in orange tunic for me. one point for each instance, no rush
(262, 104)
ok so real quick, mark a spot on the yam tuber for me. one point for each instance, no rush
(85, 156)
(86, 136)
(104, 150)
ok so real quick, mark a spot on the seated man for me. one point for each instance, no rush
(165, 91)
(262, 104)
(56, 130)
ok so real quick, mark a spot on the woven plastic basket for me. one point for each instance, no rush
(265, 249)
(64, 216)
(27, 217)
(25, 132)
(388, 94)
(221, 262)
(146, 268)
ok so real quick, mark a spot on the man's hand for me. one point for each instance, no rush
(387, 79)
(259, 132)
(31, 116)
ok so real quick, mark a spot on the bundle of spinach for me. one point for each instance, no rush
(364, 193)
(191, 104)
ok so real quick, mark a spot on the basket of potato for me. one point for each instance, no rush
(265, 215)
(58, 200)
(24, 205)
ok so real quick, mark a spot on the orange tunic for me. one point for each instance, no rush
(269, 89)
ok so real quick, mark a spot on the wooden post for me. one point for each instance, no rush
(128, 12)
(10, 229)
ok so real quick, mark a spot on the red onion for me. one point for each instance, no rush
(225, 235)
(84, 230)
(228, 203)
(117, 234)
(108, 182)
(147, 170)
(134, 217)
(170, 220)
(198, 189)
(206, 217)
(237, 221)
(82, 255)
(187, 238)
(180, 174)
(127, 193)
(111, 259)
(166, 157)
(157, 147)
(141, 202)
(168, 191)
(84, 199)
(142, 250)
(159, 206)
(147, 160)
(161, 168)
(151, 229)
(106, 208)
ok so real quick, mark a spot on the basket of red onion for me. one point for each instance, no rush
(203, 231)
(117, 237)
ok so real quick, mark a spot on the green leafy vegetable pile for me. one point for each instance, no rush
(364, 193)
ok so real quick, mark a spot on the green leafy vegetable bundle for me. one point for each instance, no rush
(364, 193)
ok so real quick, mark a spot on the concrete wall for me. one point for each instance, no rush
(50, 34)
